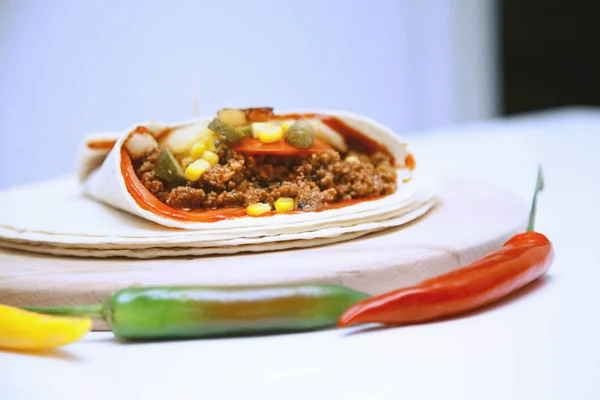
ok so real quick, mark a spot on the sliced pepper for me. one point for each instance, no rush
(226, 131)
(168, 168)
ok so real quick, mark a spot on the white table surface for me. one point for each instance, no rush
(542, 343)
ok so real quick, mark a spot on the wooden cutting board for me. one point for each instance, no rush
(472, 219)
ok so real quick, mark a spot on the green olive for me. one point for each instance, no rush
(168, 168)
(301, 134)
(227, 132)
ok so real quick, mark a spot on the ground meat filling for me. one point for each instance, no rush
(313, 181)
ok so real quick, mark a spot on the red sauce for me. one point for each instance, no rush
(101, 144)
(279, 148)
(158, 137)
(109, 144)
(298, 116)
(149, 202)
(163, 133)
(353, 137)
(141, 129)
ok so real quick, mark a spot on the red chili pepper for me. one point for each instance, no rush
(522, 259)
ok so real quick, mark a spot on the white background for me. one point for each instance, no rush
(71, 67)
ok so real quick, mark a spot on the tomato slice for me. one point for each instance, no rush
(279, 148)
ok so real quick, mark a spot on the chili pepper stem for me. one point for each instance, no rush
(539, 186)
(93, 311)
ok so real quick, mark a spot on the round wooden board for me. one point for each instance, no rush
(471, 219)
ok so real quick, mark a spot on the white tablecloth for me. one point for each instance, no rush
(542, 343)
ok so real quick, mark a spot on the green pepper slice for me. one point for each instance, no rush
(168, 168)
(226, 131)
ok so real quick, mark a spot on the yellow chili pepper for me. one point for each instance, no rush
(25, 330)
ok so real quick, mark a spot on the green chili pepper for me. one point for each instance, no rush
(145, 313)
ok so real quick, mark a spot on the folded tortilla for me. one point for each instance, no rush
(107, 172)
(67, 223)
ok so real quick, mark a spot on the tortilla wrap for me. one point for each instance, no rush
(103, 176)
(254, 244)
(69, 224)
(95, 215)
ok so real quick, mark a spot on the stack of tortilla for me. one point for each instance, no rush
(95, 215)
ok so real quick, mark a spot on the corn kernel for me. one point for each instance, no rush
(286, 125)
(198, 149)
(284, 204)
(267, 132)
(211, 157)
(209, 142)
(195, 170)
(270, 137)
(352, 159)
(186, 161)
(256, 127)
(258, 209)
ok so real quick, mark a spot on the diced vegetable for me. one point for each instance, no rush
(266, 132)
(301, 134)
(246, 130)
(198, 149)
(262, 114)
(232, 116)
(329, 135)
(168, 168)
(185, 161)
(226, 131)
(211, 157)
(258, 209)
(195, 170)
(139, 144)
(256, 127)
(181, 140)
(284, 204)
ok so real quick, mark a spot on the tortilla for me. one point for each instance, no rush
(65, 216)
(111, 181)
(95, 214)
(107, 243)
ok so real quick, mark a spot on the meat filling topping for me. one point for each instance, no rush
(313, 180)
(245, 158)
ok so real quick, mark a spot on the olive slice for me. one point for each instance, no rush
(301, 134)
